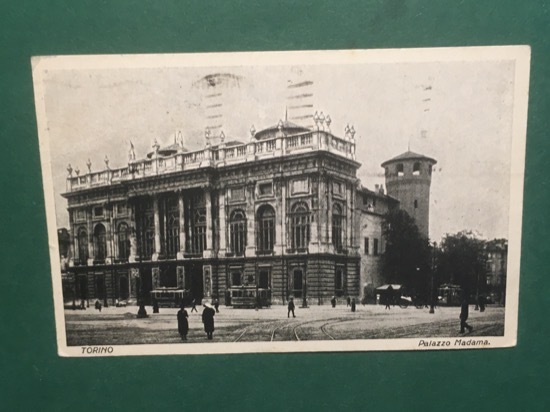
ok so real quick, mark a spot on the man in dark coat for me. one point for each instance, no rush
(348, 300)
(353, 305)
(464, 316)
(333, 301)
(183, 323)
(291, 308)
(194, 306)
(208, 320)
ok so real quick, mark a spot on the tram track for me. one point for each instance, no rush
(285, 330)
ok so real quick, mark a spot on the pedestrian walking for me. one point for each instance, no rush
(208, 320)
(482, 302)
(291, 308)
(464, 316)
(98, 305)
(387, 300)
(353, 305)
(194, 307)
(216, 305)
(183, 323)
(333, 301)
(348, 300)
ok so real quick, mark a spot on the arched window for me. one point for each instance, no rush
(123, 242)
(266, 229)
(400, 169)
(145, 232)
(100, 243)
(172, 229)
(198, 231)
(337, 226)
(237, 232)
(299, 226)
(82, 245)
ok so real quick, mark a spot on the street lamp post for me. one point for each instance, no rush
(432, 297)
(142, 313)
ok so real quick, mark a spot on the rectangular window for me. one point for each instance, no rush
(366, 246)
(121, 209)
(375, 247)
(80, 215)
(299, 186)
(98, 211)
(237, 194)
(265, 189)
(337, 188)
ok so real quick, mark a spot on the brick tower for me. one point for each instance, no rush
(408, 179)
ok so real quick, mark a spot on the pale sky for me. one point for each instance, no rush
(459, 113)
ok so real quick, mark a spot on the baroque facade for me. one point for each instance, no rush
(284, 212)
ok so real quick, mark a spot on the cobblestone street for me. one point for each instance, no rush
(119, 326)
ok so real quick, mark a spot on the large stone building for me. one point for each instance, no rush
(282, 212)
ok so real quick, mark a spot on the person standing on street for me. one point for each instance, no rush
(208, 320)
(353, 305)
(464, 309)
(183, 323)
(291, 308)
(216, 305)
(194, 308)
(333, 301)
(348, 300)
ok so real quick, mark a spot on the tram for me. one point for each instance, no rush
(449, 295)
(249, 297)
(171, 297)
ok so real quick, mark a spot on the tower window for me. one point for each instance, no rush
(416, 168)
(366, 246)
(375, 247)
(415, 204)
(400, 169)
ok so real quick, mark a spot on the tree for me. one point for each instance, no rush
(462, 261)
(406, 258)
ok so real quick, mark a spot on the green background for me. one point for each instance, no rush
(31, 373)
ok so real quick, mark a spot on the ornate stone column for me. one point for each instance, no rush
(156, 218)
(329, 216)
(73, 250)
(181, 209)
(250, 220)
(223, 224)
(90, 228)
(208, 202)
(349, 214)
(280, 217)
(132, 235)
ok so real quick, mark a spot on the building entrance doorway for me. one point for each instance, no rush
(82, 289)
(123, 288)
(298, 283)
(145, 285)
(194, 281)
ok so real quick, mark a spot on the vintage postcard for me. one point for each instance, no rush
(347, 200)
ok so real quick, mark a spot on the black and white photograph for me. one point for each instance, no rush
(345, 200)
